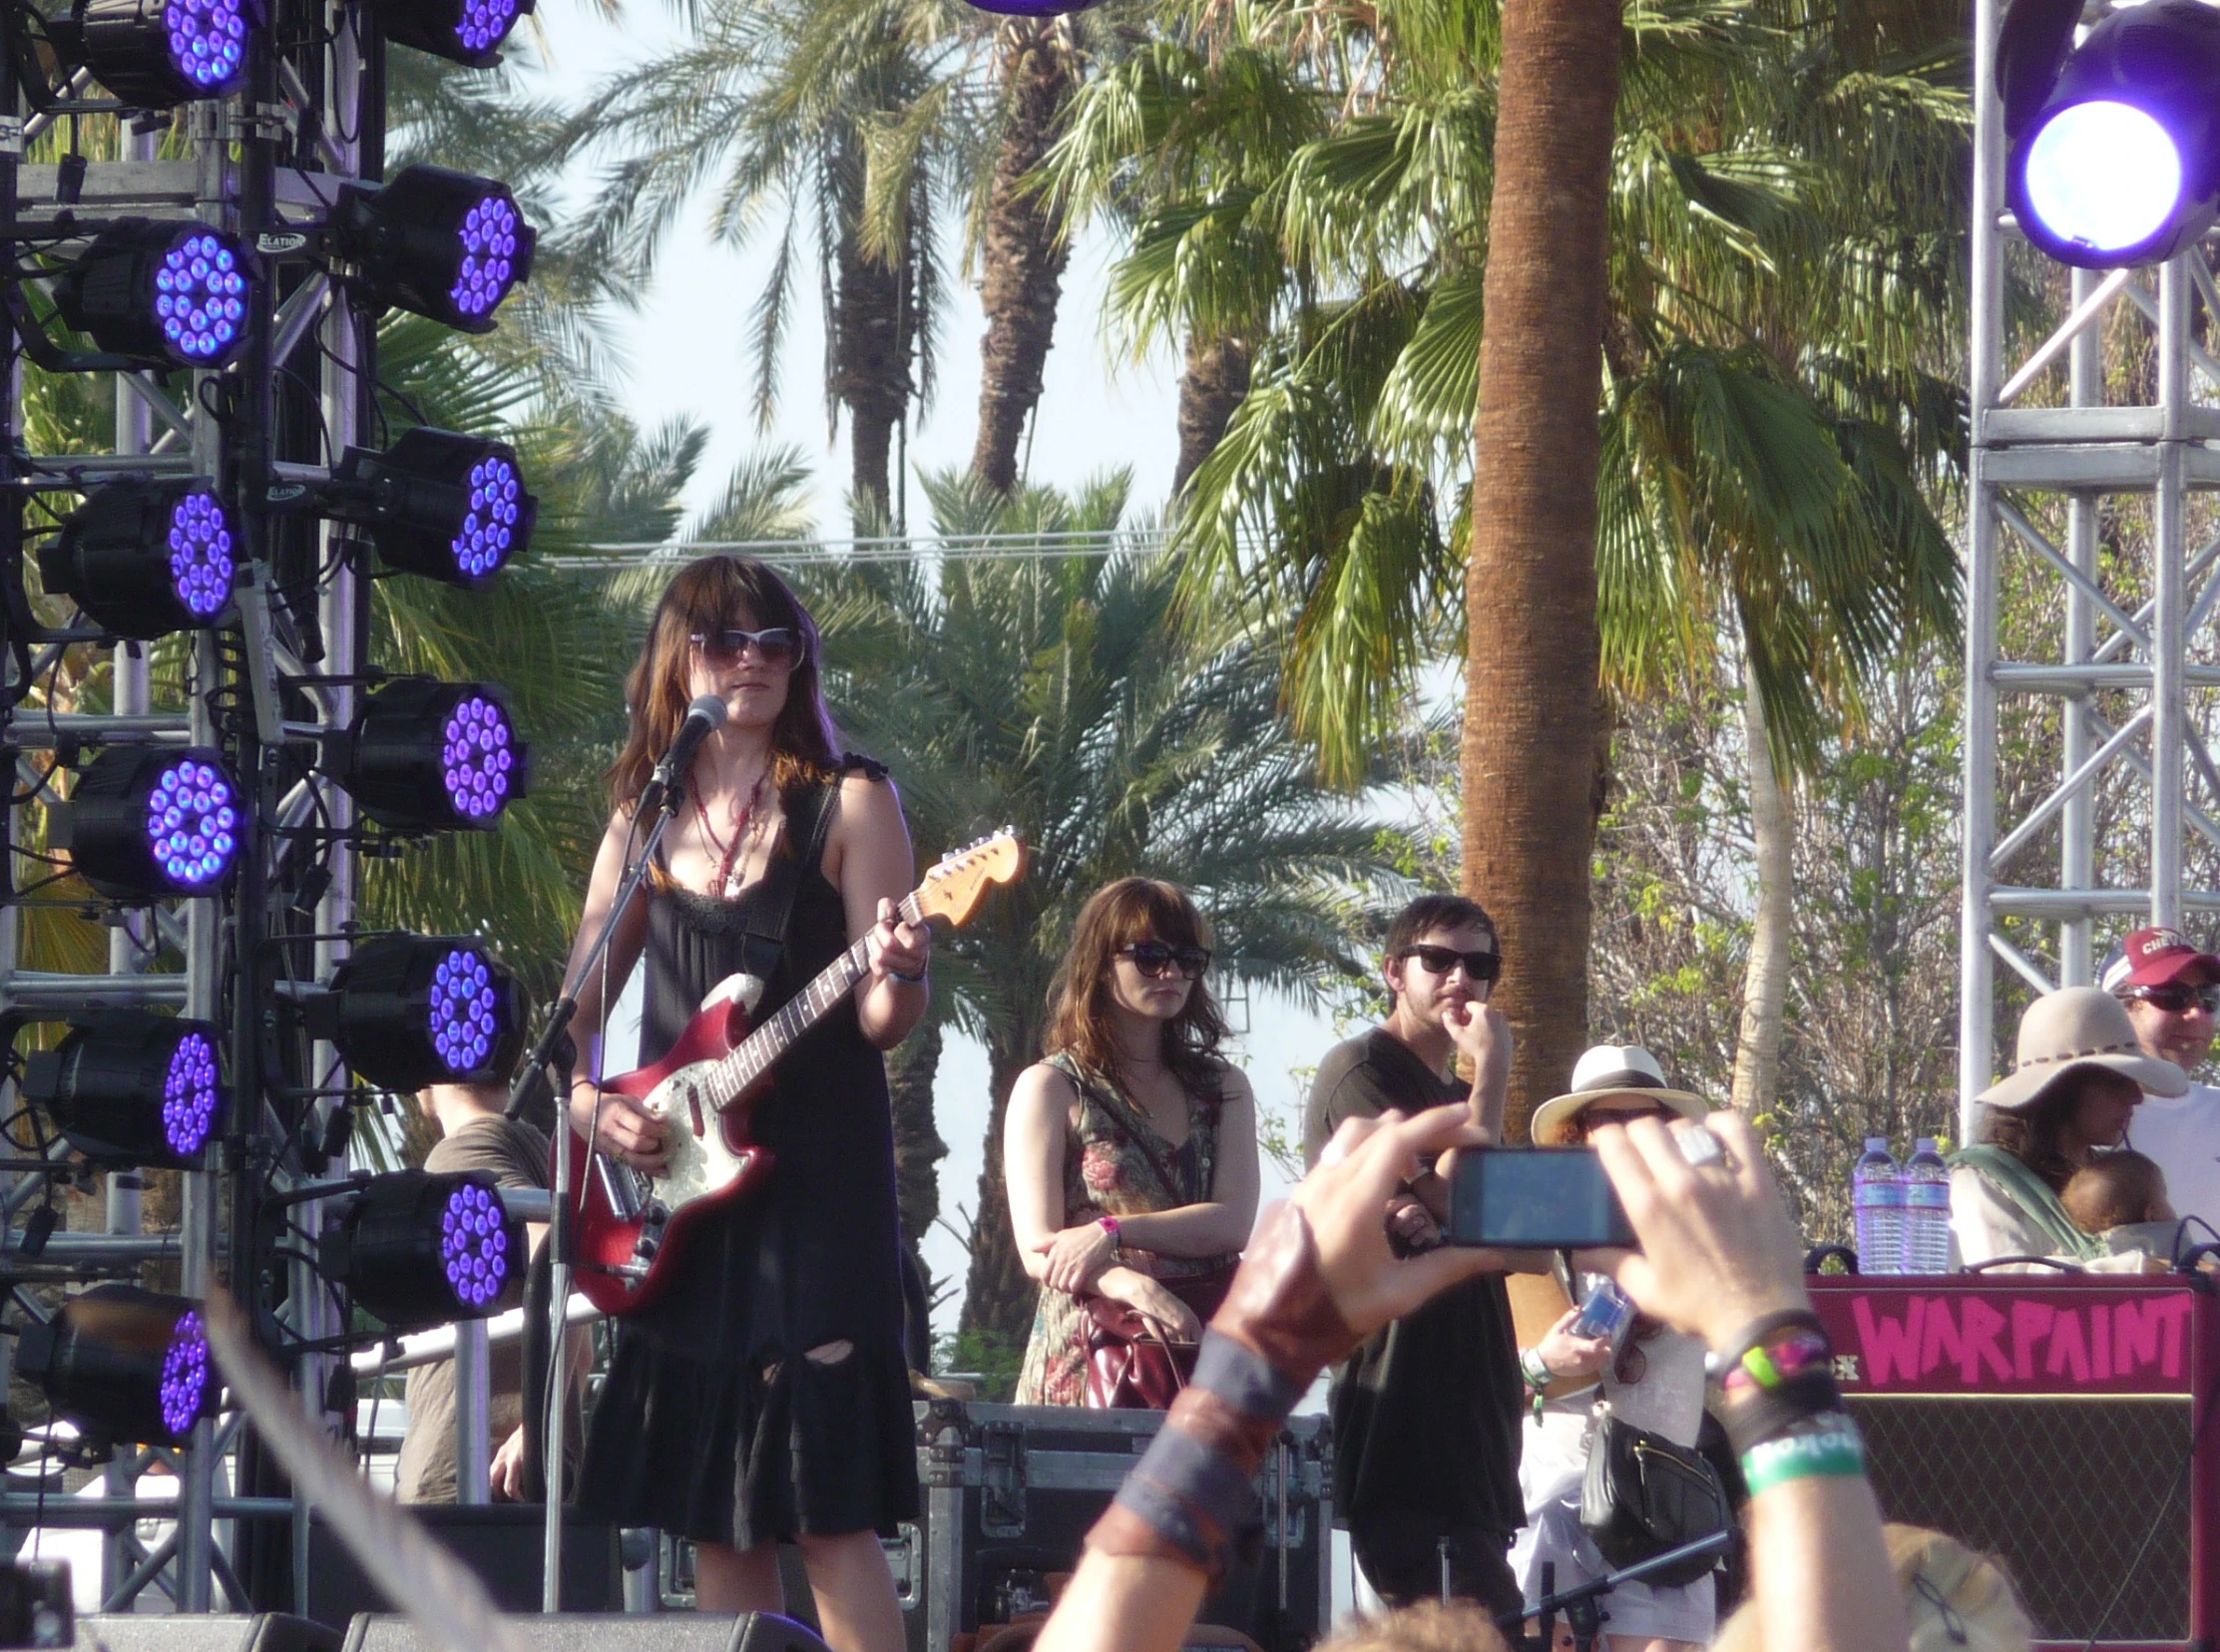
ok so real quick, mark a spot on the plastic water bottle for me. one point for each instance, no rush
(1877, 1195)
(1926, 1211)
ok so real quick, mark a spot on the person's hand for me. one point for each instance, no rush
(1166, 1315)
(1363, 1167)
(894, 948)
(1482, 1034)
(1717, 1251)
(1076, 1256)
(1411, 1226)
(624, 1130)
(1566, 1354)
(507, 1469)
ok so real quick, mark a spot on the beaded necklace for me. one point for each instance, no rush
(742, 817)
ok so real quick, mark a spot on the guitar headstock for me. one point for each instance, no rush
(955, 887)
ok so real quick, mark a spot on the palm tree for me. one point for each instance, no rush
(1062, 694)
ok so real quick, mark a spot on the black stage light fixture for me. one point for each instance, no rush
(123, 1365)
(418, 1249)
(144, 558)
(164, 294)
(430, 756)
(156, 54)
(146, 823)
(407, 1011)
(462, 31)
(128, 1086)
(439, 244)
(451, 508)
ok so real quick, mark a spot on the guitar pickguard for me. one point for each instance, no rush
(702, 1163)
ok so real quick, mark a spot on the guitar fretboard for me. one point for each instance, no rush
(766, 1043)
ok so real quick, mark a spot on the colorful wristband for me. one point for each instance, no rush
(1832, 1446)
(1533, 1368)
(1767, 1331)
(1758, 1414)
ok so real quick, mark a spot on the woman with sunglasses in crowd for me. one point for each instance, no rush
(1130, 1153)
(763, 1397)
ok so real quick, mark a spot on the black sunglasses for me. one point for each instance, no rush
(1479, 966)
(2177, 1000)
(1154, 958)
(780, 645)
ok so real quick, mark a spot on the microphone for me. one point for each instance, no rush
(703, 718)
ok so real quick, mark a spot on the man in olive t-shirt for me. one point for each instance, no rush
(1426, 1413)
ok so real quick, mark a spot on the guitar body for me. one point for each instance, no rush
(712, 1164)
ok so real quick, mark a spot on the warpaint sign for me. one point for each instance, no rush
(1985, 1335)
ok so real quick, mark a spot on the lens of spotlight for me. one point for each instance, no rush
(147, 824)
(445, 244)
(154, 54)
(163, 294)
(2105, 175)
(128, 1086)
(451, 508)
(418, 1249)
(407, 1011)
(144, 558)
(123, 1365)
(428, 756)
(462, 31)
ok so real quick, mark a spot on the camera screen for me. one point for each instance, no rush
(1544, 1197)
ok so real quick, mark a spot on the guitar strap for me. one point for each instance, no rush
(764, 942)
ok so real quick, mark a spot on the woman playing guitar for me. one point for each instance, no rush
(764, 1397)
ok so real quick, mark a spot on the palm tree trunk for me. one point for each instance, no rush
(1024, 251)
(918, 1148)
(1757, 1053)
(1215, 380)
(999, 1293)
(874, 333)
(1528, 750)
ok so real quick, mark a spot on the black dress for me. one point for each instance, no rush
(712, 1423)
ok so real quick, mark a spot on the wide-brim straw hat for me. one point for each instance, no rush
(2070, 1030)
(1606, 1072)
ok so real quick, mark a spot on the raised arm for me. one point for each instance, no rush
(869, 860)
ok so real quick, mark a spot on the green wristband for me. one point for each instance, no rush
(1833, 1450)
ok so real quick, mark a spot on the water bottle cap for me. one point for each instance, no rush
(1877, 1144)
(1926, 1145)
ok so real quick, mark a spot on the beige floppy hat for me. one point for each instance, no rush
(2072, 1029)
(1607, 1073)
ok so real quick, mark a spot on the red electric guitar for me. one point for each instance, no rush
(631, 1223)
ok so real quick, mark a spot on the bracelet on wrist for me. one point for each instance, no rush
(1828, 1445)
(1535, 1369)
(1766, 1330)
(917, 980)
(1760, 1414)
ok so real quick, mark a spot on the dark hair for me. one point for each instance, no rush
(1437, 912)
(1114, 917)
(2031, 1135)
(704, 597)
(2114, 1188)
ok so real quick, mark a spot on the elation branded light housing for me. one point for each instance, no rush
(439, 244)
(155, 54)
(146, 559)
(462, 31)
(163, 294)
(128, 1086)
(407, 1011)
(418, 1249)
(451, 508)
(428, 756)
(146, 823)
(124, 1365)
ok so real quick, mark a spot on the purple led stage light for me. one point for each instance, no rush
(465, 1017)
(201, 297)
(192, 823)
(201, 565)
(162, 295)
(131, 1088)
(154, 54)
(184, 1376)
(190, 1099)
(144, 558)
(489, 531)
(462, 31)
(489, 262)
(474, 1245)
(451, 508)
(207, 41)
(446, 244)
(479, 756)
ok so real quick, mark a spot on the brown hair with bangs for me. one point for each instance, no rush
(1115, 917)
(706, 597)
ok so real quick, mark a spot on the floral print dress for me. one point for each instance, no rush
(1115, 1165)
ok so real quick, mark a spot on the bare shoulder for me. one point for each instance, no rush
(1234, 1085)
(1044, 1088)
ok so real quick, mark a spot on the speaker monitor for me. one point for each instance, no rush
(501, 1542)
(196, 1632)
(615, 1632)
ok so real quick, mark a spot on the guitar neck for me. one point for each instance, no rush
(766, 1043)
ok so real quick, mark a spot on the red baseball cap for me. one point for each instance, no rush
(2156, 958)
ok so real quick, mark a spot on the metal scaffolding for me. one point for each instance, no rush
(2125, 672)
(262, 686)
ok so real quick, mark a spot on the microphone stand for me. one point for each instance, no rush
(1582, 1607)
(562, 1226)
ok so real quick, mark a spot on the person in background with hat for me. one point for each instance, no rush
(2171, 990)
(1652, 1379)
(2078, 1077)
(1425, 1411)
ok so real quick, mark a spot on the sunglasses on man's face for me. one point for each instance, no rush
(1479, 966)
(2177, 1000)
(1154, 958)
(779, 646)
